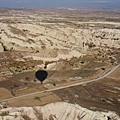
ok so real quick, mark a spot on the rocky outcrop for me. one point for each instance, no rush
(28, 37)
(52, 42)
(55, 111)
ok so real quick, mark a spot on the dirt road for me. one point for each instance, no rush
(62, 87)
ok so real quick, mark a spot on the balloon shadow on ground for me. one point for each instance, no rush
(41, 75)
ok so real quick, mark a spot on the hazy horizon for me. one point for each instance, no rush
(110, 4)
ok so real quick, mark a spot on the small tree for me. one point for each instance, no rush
(103, 68)
(54, 84)
(37, 98)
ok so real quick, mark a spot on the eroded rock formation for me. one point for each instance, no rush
(28, 37)
(55, 111)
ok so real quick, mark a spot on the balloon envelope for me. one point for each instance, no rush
(41, 75)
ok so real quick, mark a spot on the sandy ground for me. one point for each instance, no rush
(33, 100)
(4, 93)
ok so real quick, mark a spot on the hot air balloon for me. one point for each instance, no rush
(41, 75)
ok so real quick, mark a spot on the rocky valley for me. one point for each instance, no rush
(79, 49)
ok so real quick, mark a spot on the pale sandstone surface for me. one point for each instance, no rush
(55, 111)
(1, 48)
(53, 42)
(29, 37)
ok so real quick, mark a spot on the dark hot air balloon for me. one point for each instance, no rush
(41, 75)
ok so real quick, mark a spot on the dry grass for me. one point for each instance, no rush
(34, 100)
(29, 90)
(4, 94)
(100, 95)
(115, 74)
